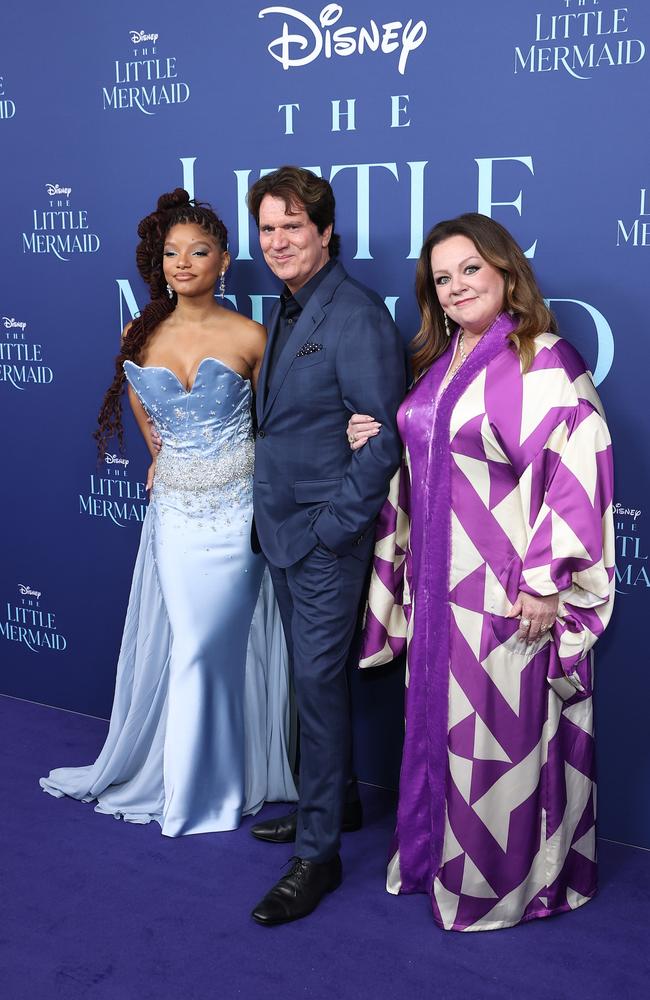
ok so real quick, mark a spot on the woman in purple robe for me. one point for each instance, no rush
(494, 564)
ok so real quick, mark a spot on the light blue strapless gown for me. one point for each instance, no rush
(198, 730)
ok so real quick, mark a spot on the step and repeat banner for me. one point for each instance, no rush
(531, 111)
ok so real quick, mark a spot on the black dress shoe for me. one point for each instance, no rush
(299, 892)
(283, 829)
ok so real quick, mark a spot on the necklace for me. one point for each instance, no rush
(463, 357)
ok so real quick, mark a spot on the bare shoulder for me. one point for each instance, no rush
(251, 336)
(245, 327)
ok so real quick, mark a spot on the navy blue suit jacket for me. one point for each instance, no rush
(344, 356)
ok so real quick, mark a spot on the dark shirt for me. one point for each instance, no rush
(291, 307)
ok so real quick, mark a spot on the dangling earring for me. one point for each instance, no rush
(170, 291)
(447, 330)
(222, 284)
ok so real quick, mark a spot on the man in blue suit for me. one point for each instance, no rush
(333, 350)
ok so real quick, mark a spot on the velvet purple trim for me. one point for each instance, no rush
(424, 773)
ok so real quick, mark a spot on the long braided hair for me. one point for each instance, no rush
(172, 209)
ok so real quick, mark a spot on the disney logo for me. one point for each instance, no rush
(24, 589)
(618, 508)
(116, 460)
(343, 41)
(142, 36)
(55, 189)
(13, 324)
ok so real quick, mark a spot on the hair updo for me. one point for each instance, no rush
(172, 209)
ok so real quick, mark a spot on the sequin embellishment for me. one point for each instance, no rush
(191, 473)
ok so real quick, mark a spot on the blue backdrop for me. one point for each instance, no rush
(527, 110)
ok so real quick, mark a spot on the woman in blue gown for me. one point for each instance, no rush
(197, 735)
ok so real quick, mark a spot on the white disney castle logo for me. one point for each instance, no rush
(343, 41)
(13, 324)
(55, 189)
(142, 36)
(116, 460)
(24, 589)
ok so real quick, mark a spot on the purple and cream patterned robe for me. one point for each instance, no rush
(506, 486)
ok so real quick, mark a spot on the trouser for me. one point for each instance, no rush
(318, 598)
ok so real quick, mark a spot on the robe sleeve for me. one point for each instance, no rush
(570, 547)
(388, 607)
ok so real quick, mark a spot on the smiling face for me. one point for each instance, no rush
(292, 246)
(470, 290)
(192, 260)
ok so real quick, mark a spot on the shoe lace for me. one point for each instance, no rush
(299, 869)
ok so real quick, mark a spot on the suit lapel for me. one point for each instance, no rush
(262, 393)
(311, 316)
(310, 319)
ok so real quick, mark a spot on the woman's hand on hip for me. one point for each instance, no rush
(537, 615)
(155, 440)
(151, 472)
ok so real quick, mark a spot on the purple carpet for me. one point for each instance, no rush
(94, 908)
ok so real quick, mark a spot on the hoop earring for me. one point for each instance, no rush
(447, 329)
(222, 284)
(170, 291)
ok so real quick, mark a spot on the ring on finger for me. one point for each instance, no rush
(352, 437)
(525, 623)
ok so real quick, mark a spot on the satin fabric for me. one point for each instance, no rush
(506, 487)
(198, 730)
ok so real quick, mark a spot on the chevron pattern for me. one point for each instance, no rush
(530, 509)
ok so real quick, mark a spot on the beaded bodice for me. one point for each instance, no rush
(206, 432)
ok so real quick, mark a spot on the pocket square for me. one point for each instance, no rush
(308, 348)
